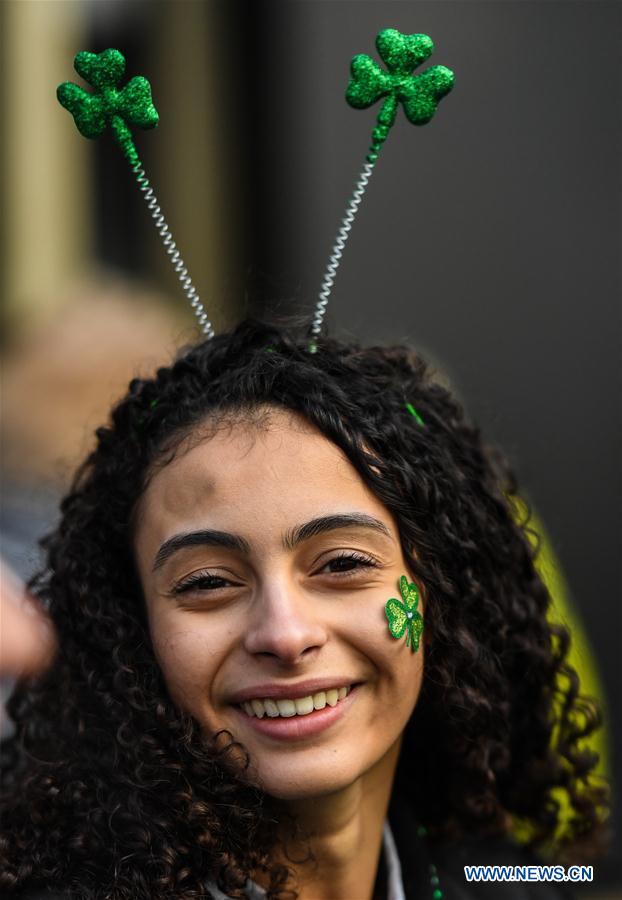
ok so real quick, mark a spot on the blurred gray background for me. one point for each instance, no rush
(489, 238)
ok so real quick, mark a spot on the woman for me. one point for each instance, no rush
(230, 712)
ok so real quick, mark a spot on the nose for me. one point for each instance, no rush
(284, 625)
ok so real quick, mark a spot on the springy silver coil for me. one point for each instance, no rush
(173, 252)
(337, 251)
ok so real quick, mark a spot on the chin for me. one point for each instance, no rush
(304, 785)
(315, 771)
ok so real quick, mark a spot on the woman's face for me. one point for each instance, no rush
(266, 564)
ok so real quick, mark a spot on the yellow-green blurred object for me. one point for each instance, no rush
(580, 655)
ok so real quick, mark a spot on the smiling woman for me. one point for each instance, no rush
(266, 563)
(234, 710)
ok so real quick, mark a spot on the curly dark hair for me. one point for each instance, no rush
(111, 791)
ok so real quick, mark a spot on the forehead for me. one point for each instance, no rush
(267, 471)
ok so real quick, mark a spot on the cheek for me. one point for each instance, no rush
(409, 678)
(399, 670)
(188, 654)
(404, 678)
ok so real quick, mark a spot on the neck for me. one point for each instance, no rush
(343, 831)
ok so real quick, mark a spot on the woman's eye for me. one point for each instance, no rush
(201, 581)
(349, 563)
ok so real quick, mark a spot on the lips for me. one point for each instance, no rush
(298, 727)
(294, 726)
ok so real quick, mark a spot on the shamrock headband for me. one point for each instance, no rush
(109, 104)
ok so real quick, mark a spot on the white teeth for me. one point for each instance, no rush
(271, 708)
(319, 700)
(300, 707)
(287, 708)
(304, 706)
(258, 708)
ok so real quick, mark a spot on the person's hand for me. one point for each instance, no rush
(27, 641)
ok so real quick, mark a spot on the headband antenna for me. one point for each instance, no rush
(109, 104)
(419, 95)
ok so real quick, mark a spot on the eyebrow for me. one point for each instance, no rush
(203, 538)
(301, 533)
(291, 539)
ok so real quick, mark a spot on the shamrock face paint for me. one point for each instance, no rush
(403, 616)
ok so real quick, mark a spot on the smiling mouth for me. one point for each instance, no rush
(302, 706)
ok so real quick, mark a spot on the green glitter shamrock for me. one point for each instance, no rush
(403, 616)
(108, 104)
(420, 94)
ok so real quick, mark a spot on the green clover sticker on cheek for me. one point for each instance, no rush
(403, 615)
